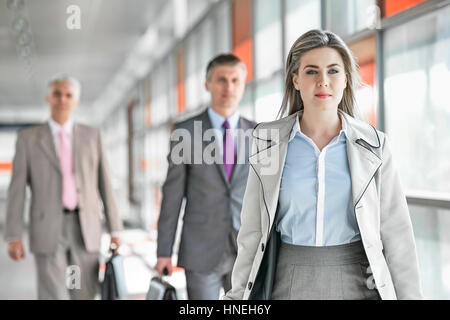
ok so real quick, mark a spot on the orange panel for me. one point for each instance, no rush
(392, 7)
(180, 80)
(5, 167)
(367, 73)
(364, 50)
(244, 52)
(242, 20)
(241, 33)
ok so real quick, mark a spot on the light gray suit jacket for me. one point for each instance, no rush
(36, 165)
(211, 201)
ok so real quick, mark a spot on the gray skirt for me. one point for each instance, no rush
(323, 273)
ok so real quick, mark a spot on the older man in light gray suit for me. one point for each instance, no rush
(64, 164)
(213, 189)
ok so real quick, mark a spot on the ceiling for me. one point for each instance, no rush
(115, 44)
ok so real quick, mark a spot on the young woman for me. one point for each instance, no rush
(324, 215)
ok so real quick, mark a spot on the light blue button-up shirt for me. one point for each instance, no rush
(315, 202)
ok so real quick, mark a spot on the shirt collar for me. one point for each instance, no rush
(296, 128)
(56, 127)
(217, 120)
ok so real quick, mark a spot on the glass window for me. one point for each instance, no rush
(364, 51)
(268, 57)
(268, 99)
(157, 149)
(139, 111)
(192, 75)
(171, 73)
(222, 20)
(301, 16)
(160, 94)
(346, 17)
(366, 94)
(246, 106)
(417, 75)
(139, 167)
(433, 249)
(206, 33)
(8, 142)
(196, 9)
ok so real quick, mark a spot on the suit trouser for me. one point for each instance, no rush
(207, 285)
(71, 272)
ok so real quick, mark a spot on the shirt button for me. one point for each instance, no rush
(262, 246)
(250, 285)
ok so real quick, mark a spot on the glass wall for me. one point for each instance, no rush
(417, 117)
(160, 94)
(247, 106)
(268, 40)
(433, 249)
(300, 16)
(193, 71)
(115, 143)
(269, 95)
(417, 76)
(346, 17)
(222, 36)
(156, 150)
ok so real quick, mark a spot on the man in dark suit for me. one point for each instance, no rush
(211, 176)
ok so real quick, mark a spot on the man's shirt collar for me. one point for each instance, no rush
(217, 120)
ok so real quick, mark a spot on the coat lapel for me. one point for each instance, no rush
(48, 146)
(268, 162)
(242, 150)
(362, 152)
(363, 166)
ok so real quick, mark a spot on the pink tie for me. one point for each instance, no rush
(65, 158)
(229, 155)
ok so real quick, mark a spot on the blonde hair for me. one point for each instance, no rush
(318, 39)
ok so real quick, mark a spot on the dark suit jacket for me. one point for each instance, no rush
(211, 200)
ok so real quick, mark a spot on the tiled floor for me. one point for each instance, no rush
(18, 279)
